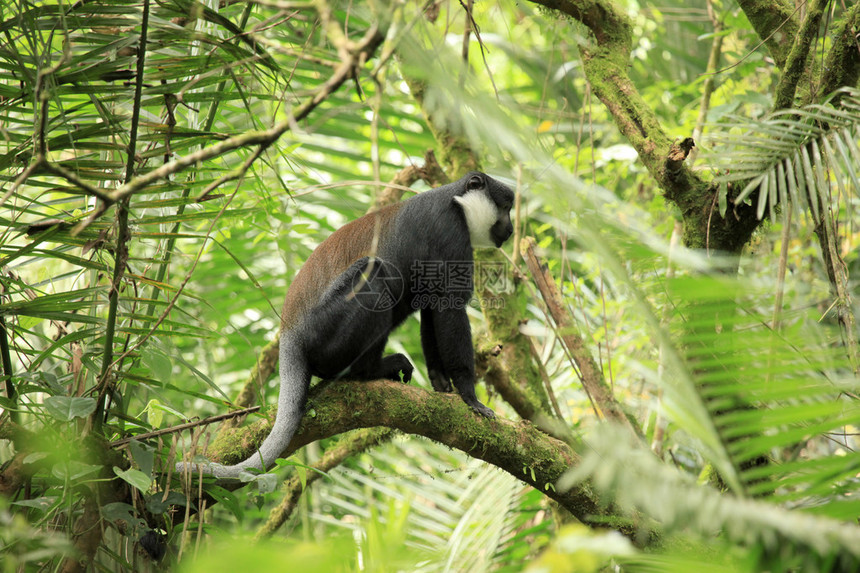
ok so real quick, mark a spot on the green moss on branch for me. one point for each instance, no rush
(516, 447)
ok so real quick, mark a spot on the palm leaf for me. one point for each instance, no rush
(791, 154)
(461, 520)
(638, 481)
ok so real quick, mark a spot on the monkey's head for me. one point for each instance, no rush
(487, 206)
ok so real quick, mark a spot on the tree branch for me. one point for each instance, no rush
(606, 63)
(589, 372)
(795, 64)
(431, 172)
(516, 447)
(357, 54)
(187, 426)
(775, 23)
(710, 73)
(842, 64)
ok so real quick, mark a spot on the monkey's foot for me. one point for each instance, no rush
(398, 367)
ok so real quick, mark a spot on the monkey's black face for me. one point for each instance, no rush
(503, 198)
(502, 229)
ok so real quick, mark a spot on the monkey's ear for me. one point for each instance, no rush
(473, 182)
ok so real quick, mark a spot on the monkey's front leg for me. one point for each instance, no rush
(454, 344)
(435, 370)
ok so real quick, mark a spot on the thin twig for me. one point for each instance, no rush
(123, 231)
(371, 40)
(708, 85)
(6, 356)
(467, 32)
(236, 174)
(592, 378)
(36, 163)
(164, 263)
(760, 44)
(518, 220)
(186, 426)
(606, 333)
(73, 178)
(547, 383)
(181, 287)
(472, 26)
(40, 146)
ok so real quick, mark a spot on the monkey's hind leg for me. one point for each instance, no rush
(352, 322)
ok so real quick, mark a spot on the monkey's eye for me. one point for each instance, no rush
(475, 182)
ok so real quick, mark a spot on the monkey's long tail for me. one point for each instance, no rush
(295, 377)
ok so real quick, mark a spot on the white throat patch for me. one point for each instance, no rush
(480, 214)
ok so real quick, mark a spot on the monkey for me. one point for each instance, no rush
(364, 280)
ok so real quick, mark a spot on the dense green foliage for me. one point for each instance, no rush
(166, 167)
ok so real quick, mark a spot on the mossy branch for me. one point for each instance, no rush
(605, 63)
(519, 448)
(842, 63)
(799, 55)
(775, 23)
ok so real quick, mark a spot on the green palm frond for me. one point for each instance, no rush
(463, 520)
(766, 393)
(791, 155)
(788, 537)
(779, 407)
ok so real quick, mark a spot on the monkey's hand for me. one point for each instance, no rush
(407, 372)
(440, 382)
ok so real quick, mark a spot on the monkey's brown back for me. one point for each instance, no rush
(331, 258)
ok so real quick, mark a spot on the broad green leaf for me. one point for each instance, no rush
(67, 408)
(134, 477)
